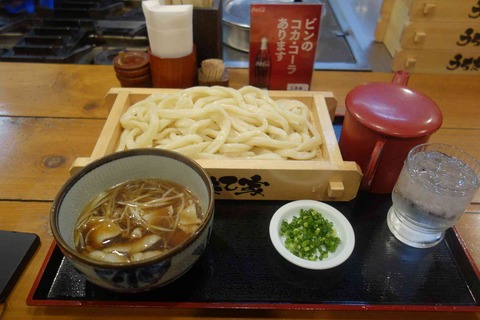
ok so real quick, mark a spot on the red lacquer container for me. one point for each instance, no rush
(382, 123)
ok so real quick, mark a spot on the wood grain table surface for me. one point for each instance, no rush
(51, 114)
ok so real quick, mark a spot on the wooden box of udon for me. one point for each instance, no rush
(325, 177)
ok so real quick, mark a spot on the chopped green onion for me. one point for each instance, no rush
(310, 236)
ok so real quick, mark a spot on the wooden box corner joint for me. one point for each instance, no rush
(336, 189)
(429, 9)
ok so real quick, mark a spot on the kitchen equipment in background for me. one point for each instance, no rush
(236, 21)
(52, 41)
(93, 32)
(383, 122)
(121, 28)
(73, 32)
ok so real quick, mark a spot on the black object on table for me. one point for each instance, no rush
(16, 250)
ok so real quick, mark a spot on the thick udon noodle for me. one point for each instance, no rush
(220, 122)
(137, 220)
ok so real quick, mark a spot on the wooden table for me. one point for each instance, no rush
(52, 114)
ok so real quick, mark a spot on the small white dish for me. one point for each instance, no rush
(340, 223)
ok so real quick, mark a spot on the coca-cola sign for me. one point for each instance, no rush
(283, 42)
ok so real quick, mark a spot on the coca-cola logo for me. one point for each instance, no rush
(262, 64)
(256, 9)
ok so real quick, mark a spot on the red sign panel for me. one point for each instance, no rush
(283, 43)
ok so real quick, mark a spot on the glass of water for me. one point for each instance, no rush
(435, 186)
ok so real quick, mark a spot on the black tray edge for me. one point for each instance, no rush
(454, 242)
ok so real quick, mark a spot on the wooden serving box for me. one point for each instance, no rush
(327, 178)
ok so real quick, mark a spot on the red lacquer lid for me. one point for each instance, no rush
(394, 110)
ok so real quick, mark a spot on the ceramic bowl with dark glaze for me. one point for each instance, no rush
(109, 171)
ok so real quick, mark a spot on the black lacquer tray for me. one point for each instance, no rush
(241, 269)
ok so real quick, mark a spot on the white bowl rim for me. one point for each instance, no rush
(57, 202)
(340, 223)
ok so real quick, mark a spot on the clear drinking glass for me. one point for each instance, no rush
(435, 186)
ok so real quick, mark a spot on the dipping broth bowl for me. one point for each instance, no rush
(112, 170)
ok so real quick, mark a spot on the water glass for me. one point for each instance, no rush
(435, 186)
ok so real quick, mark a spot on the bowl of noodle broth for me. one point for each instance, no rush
(125, 243)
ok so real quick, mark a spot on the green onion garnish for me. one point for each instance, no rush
(310, 236)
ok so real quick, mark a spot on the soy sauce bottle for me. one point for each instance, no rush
(263, 66)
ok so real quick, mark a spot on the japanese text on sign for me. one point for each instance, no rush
(283, 44)
(475, 13)
(470, 37)
(464, 63)
(294, 35)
